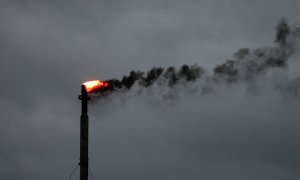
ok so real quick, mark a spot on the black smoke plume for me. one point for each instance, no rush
(170, 76)
(245, 65)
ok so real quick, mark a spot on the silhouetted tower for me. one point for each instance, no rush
(84, 135)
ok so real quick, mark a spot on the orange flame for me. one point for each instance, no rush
(94, 85)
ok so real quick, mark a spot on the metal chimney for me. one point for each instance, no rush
(84, 135)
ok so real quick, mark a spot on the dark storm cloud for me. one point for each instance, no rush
(49, 47)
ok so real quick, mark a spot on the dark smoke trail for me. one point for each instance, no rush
(245, 65)
(171, 77)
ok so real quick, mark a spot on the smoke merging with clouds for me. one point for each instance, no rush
(246, 66)
(241, 122)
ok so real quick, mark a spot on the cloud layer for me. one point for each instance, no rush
(212, 128)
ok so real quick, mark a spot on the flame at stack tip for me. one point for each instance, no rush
(95, 85)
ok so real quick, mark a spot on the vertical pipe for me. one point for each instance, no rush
(84, 135)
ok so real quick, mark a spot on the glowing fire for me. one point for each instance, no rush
(91, 86)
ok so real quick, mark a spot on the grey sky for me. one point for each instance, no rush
(48, 48)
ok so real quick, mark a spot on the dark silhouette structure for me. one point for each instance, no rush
(84, 135)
